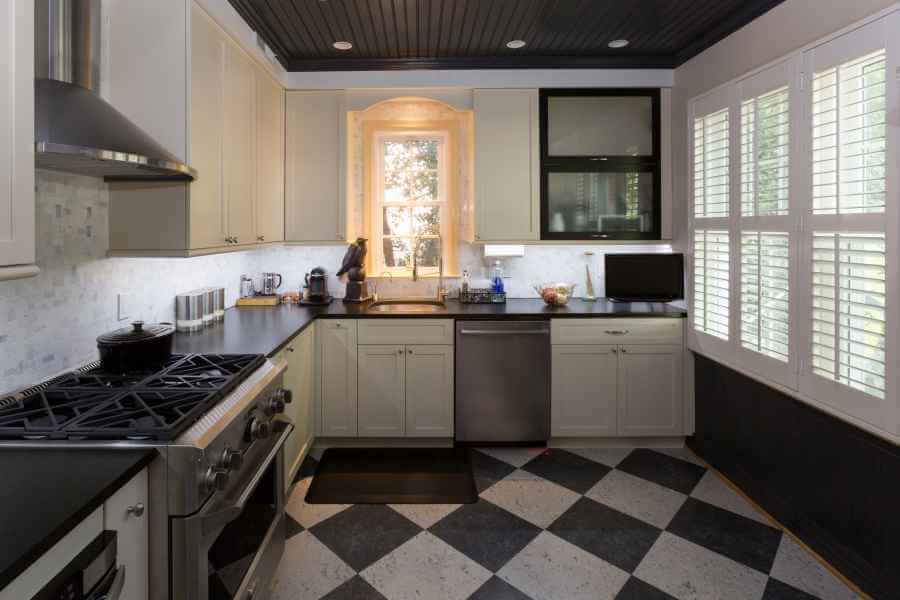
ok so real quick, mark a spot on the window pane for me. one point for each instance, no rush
(765, 150)
(711, 165)
(600, 126)
(765, 289)
(410, 170)
(397, 252)
(426, 220)
(600, 202)
(711, 269)
(428, 254)
(397, 221)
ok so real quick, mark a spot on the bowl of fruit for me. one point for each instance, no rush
(555, 294)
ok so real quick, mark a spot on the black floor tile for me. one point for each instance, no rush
(613, 536)
(635, 589)
(776, 590)
(497, 589)
(354, 589)
(487, 470)
(307, 468)
(568, 470)
(673, 473)
(291, 527)
(739, 538)
(485, 533)
(362, 534)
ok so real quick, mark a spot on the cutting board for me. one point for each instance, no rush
(259, 301)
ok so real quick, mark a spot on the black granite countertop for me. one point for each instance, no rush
(265, 330)
(46, 492)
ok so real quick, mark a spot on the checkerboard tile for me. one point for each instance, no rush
(563, 524)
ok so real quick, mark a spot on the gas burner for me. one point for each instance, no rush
(155, 406)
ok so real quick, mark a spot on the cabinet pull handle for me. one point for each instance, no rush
(136, 511)
(400, 351)
(615, 350)
(616, 332)
(624, 350)
(409, 351)
(290, 349)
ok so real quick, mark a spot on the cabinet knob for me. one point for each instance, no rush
(624, 350)
(135, 511)
(400, 351)
(615, 350)
(260, 238)
(410, 351)
(290, 348)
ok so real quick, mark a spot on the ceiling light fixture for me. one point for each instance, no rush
(342, 45)
(618, 43)
(515, 44)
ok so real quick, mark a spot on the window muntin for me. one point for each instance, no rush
(765, 154)
(765, 293)
(711, 281)
(711, 165)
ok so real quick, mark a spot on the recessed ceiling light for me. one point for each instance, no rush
(515, 44)
(342, 45)
(618, 43)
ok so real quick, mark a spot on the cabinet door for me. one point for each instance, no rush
(381, 381)
(429, 391)
(240, 145)
(339, 373)
(314, 202)
(126, 513)
(207, 222)
(269, 158)
(299, 356)
(17, 141)
(650, 390)
(583, 391)
(507, 168)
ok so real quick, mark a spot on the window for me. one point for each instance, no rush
(411, 213)
(711, 282)
(765, 293)
(711, 165)
(765, 146)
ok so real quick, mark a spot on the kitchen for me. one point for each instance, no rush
(614, 319)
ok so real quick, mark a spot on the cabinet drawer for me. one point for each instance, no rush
(616, 331)
(406, 331)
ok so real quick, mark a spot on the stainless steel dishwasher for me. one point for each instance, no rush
(502, 381)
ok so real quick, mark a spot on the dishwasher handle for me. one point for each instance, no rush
(503, 332)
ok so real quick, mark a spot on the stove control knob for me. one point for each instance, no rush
(259, 430)
(279, 400)
(231, 460)
(215, 479)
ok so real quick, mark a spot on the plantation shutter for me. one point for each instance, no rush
(765, 293)
(711, 282)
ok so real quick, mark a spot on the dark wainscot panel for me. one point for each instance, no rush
(834, 485)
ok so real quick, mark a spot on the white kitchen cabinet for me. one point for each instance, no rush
(429, 391)
(269, 159)
(299, 355)
(17, 235)
(584, 391)
(239, 152)
(507, 165)
(650, 390)
(338, 377)
(382, 382)
(315, 207)
(126, 513)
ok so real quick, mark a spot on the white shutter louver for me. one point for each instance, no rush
(711, 282)
(849, 309)
(765, 293)
(711, 165)
(849, 137)
(765, 149)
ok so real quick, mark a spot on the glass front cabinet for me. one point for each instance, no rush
(600, 164)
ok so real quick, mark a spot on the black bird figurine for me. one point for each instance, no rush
(355, 258)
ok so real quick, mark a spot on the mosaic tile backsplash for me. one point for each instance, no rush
(49, 323)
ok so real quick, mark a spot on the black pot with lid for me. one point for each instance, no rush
(140, 347)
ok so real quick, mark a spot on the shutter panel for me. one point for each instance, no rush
(765, 293)
(711, 282)
(849, 309)
(849, 137)
(765, 149)
(711, 165)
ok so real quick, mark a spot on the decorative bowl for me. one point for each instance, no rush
(555, 294)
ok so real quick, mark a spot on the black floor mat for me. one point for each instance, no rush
(393, 476)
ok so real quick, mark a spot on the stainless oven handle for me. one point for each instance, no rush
(115, 588)
(215, 520)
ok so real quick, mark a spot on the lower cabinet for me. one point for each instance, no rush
(126, 513)
(299, 355)
(382, 381)
(429, 391)
(617, 390)
(338, 378)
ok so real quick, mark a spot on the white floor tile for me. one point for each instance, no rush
(605, 456)
(550, 568)
(309, 514)
(691, 572)
(713, 490)
(424, 515)
(308, 569)
(533, 498)
(637, 497)
(514, 456)
(426, 567)
(797, 567)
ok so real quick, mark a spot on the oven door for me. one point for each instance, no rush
(229, 550)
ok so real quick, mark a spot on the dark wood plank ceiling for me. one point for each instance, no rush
(440, 34)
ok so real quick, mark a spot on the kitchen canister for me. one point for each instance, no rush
(189, 311)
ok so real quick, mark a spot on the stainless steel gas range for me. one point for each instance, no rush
(216, 491)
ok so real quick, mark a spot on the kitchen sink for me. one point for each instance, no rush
(407, 305)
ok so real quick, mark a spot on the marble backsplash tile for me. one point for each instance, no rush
(49, 323)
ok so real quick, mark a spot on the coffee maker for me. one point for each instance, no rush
(316, 288)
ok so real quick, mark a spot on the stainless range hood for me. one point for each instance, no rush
(75, 129)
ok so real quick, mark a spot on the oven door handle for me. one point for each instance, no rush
(216, 520)
(114, 592)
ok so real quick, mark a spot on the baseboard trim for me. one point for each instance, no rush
(618, 442)
(325, 443)
(295, 467)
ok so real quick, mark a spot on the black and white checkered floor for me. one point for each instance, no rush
(555, 525)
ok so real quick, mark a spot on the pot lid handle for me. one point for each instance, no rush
(137, 326)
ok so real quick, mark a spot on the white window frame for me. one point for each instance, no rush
(378, 204)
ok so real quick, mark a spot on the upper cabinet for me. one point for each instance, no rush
(17, 254)
(315, 207)
(507, 185)
(601, 164)
(234, 110)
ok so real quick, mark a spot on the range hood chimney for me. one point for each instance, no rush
(75, 129)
